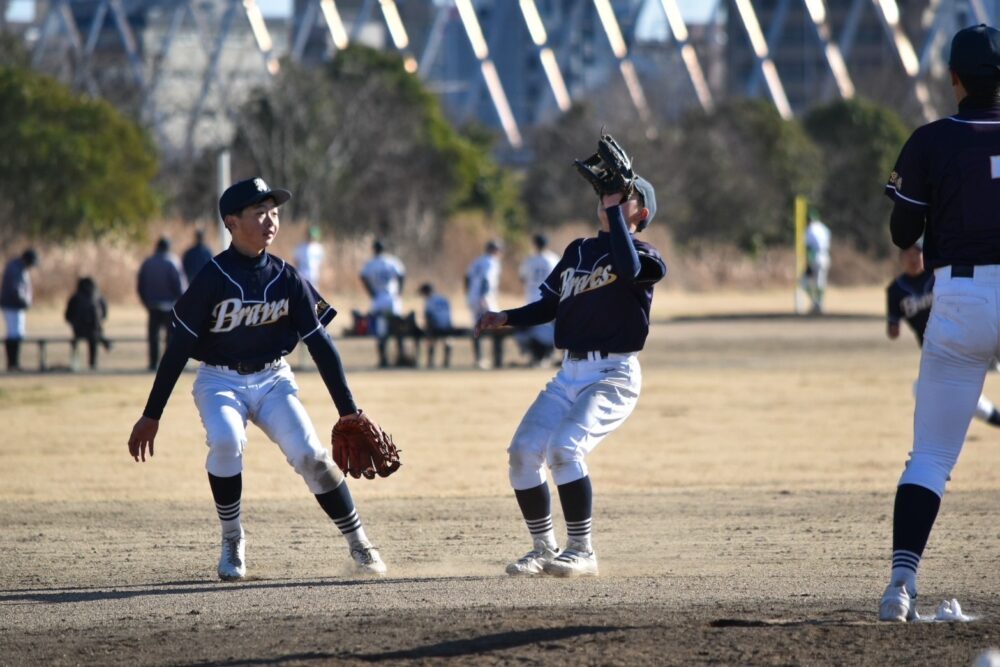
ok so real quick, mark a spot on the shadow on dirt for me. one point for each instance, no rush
(487, 643)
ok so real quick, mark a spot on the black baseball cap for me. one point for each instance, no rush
(247, 193)
(975, 51)
(645, 189)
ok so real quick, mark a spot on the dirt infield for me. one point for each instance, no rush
(742, 516)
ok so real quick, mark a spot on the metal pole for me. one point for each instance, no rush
(224, 177)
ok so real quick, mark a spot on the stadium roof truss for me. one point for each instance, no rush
(59, 31)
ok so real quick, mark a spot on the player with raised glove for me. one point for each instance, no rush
(361, 447)
(599, 295)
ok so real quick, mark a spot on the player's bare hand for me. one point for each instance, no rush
(143, 435)
(490, 320)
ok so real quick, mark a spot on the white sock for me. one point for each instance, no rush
(579, 535)
(229, 518)
(352, 530)
(542, 531)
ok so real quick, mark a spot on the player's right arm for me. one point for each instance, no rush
(910, 190)
(190, 313)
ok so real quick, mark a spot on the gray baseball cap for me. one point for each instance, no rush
(645, 189)
(975, 51)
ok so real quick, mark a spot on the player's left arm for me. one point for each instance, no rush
(906, 224)
(308, 315)
(893, 314)
(623, 253)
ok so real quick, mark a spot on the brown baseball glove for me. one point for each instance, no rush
(361, 447)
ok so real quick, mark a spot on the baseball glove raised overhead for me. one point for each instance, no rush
(361, 447)
(609, 170)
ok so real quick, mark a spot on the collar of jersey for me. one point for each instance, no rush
(244, 262)
(975, 110)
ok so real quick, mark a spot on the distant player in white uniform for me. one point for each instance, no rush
(538, 340)
(383, 276)
(482, 289)
(817, 261)
(309, 257)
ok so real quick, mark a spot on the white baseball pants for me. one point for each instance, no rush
(961, 340)
(226, 400)
(578, 408)
(16, 321)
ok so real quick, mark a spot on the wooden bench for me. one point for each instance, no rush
(44, 341)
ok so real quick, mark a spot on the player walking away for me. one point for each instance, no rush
(482, 288)
(160, 284)
(946, 187)
(86, 311)
(599, 295)
(910, 297)
(196, 257)
(15, 300)
(309, 257)
(817, 261)
(539, 340)
(437, 324)
(246, 310)
(383, 276)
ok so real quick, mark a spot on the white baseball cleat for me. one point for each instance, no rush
(573, 562)
(232, 561)
(533, 562)
(367, 559)
(897, 606)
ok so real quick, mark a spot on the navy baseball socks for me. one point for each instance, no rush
(227, 492)
(578, 558)
(914, 513)
(536, 507)
(339, 506)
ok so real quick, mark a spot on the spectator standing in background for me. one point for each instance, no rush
(196, 256)
(15, 300)
(309, 257)
(160, 284)
(86, 311)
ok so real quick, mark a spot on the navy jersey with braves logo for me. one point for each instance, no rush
(247, 311)
(910, 298)
(251, 310)
(948, 176)
(593, 308)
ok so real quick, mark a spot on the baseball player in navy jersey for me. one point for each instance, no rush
(946, 187)
(243, 313)
(910, 297)
(599, 295)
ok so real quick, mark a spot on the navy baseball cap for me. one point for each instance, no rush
(645, 189)
(247, 193)
(975, 51)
